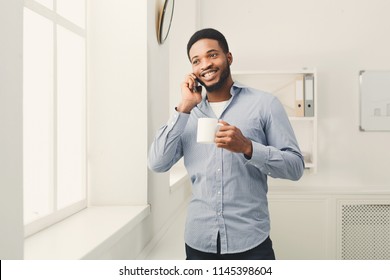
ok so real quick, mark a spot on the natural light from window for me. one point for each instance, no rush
(54, 111)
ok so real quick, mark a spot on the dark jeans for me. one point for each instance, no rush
(262, 252)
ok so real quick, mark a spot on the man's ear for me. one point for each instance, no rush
(229, 58)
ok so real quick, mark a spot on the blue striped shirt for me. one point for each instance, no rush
(229, 191)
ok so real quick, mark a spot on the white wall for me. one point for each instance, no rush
(122, 124)
(185, 23)
(338, 38)
(117, 102)
(11, 127)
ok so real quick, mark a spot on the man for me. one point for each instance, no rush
(228, 214)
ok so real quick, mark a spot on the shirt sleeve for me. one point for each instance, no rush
(166, 148)
(281, 156)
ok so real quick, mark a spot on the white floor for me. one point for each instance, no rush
(171, 245)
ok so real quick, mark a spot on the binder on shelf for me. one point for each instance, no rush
(299, 98)
(309, 95)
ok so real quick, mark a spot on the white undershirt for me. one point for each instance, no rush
(218, 107)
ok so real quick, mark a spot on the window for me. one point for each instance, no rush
(54, 111)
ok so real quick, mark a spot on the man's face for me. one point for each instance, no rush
(210, 64)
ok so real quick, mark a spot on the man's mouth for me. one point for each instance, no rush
(209, 75)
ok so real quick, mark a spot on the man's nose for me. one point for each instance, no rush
(206, 64)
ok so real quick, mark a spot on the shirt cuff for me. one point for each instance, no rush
(177, 121)
(260, 155)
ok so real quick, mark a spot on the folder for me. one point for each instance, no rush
(309, 95)
(299, 98)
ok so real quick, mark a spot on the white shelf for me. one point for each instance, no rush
(275, 72)
(303, 119)
(282, 84)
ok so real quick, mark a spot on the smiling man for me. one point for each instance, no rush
(228, 214)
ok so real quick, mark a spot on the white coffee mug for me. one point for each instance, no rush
(207, 128)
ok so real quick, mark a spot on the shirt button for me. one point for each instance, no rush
(219, 192)
(219, 169)
(219, 213)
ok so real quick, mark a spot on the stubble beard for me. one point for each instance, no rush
(220, 83)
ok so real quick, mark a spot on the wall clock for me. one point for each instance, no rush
(165, 20)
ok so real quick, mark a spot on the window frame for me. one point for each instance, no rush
(59, 214)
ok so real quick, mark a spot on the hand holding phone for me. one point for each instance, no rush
(191, 93)
(193, 83)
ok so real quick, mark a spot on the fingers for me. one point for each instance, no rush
(191, 81)
(225, 127)
(226, 133)
(231, 138)
(223, 122)
(190, 98)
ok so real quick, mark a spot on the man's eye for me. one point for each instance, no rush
(195, 62)
(213, 55)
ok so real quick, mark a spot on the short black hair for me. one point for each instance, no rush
(208, 33)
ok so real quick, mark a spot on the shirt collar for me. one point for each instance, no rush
(234, 90)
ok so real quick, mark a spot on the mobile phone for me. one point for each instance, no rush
(195, 86)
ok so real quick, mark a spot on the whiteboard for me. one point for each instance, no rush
(374, 100)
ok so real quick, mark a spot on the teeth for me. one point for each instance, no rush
(208, 74)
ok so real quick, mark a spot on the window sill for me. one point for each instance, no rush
(178, 181)
(85, 235)
(178, 176)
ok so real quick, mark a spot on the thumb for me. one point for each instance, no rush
(223, 122)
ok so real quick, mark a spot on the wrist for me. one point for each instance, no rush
(184, 109)
(249, 150)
